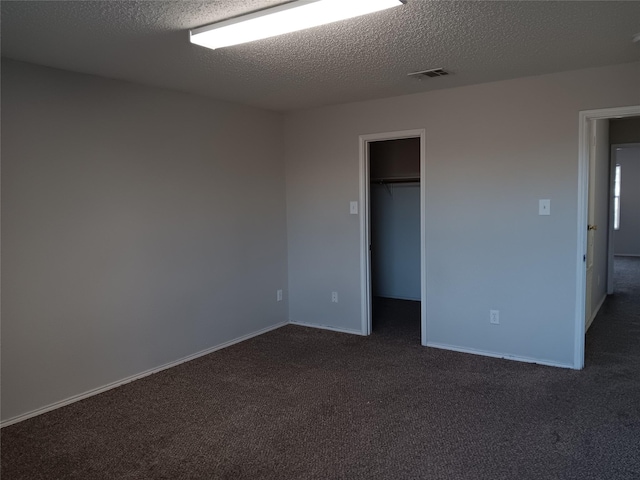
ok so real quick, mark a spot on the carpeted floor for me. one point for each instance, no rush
(300, 403)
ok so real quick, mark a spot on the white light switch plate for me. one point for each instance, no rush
(353, 208)
(544, 207)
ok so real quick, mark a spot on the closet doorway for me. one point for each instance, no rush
(392, 180)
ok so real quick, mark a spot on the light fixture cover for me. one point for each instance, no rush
(286, 18)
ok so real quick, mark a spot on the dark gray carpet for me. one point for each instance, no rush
(311, 404)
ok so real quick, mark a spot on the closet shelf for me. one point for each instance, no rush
(395, 180)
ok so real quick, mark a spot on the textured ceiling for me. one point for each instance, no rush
(363, 58)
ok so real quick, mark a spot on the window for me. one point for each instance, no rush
(616, 199)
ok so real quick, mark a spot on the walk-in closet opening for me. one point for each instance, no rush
(394, 215)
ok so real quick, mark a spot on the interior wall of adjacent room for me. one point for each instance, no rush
(627, 238)
(139, 226)
(492, 151)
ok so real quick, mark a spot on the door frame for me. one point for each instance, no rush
(585, 117)
(365, 226)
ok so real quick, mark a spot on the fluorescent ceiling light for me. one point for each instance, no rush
(286, 18)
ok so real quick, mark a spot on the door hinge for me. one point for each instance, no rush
(584, 258)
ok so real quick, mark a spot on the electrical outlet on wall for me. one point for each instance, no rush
(334, 297)
(494, 317)
(279, 295)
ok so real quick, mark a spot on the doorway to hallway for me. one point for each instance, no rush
(595, 207)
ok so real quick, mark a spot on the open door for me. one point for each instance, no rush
(591, 226)
(597, 256)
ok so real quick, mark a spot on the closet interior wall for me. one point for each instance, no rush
(395, 218)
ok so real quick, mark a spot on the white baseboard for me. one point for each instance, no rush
(96, 391)
(485, 353)
(595, 312)
(327, 327)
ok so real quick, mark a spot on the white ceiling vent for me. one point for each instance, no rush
(433, 72)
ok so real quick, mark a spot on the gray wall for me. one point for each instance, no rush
(139, 226)
(624, 130)
(601, 211)
(627, 239)
(395, 240)
(394, 159)
(492, 151)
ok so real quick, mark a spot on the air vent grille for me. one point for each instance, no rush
(431, 73)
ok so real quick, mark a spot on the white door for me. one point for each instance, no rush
(591, 227)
